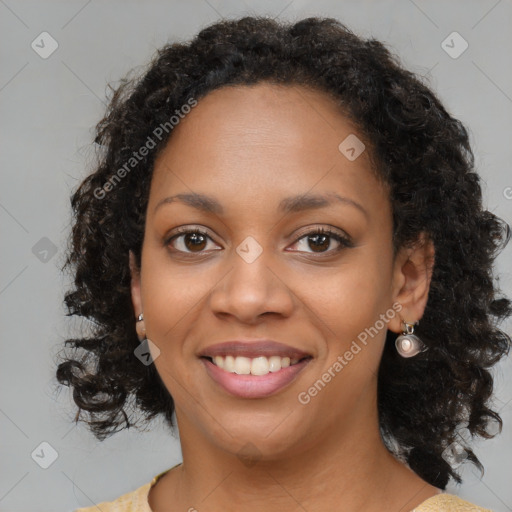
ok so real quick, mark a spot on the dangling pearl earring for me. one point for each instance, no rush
(140, 327)
(408, 344)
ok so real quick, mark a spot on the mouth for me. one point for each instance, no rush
(260, 365)
(253, 369)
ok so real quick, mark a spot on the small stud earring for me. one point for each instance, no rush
(140, 327)
(408, 344)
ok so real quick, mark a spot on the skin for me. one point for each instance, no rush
(250, 147)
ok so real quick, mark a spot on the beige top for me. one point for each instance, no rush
(137, 501)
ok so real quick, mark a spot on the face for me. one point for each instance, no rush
(291, 243)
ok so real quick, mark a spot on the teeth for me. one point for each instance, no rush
(229, 364)
(274, 363)
(258, 366)
(242, 365)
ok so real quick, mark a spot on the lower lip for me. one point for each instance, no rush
(253, 386)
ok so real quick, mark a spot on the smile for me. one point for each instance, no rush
(250, 385)
(253, 366)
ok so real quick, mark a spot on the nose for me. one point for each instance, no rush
(252, 289)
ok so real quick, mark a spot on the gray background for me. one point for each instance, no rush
(47, 110)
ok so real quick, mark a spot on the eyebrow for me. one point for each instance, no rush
(292, 204)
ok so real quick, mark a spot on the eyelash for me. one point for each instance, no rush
(343, 241)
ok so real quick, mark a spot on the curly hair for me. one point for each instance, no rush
(417, 148)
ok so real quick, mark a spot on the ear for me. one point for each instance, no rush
(412, 275)
(136, 292)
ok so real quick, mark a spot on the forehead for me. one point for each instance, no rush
(268, 116)
(263, 140)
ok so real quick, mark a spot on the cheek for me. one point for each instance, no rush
(168, 301)
(350, 298)
(173, 296)
(347, 311)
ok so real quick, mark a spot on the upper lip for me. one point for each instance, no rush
(252, 349)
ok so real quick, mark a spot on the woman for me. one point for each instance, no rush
(284, 244)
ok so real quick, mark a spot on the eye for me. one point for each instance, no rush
(189, 240)
(194, 240)
(319, 240)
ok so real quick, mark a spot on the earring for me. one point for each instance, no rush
(408, 344)
(140, 327)
(147, 351)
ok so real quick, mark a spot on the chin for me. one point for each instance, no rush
(268, 437)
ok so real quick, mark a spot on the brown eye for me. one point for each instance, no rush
(319, 243)
(194, 241)
(320, 240)
(189, 241)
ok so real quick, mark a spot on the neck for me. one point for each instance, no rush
(348, 469)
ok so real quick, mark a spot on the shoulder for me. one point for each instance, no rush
(448, 503)
(134, 501)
